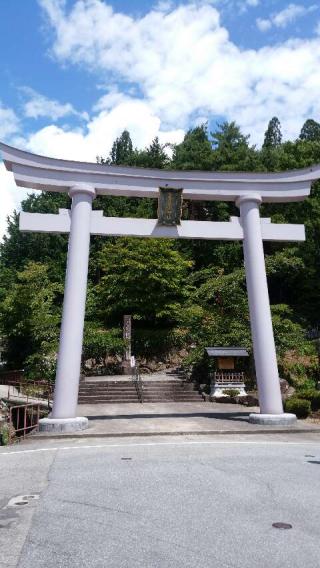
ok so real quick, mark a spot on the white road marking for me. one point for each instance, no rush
(150, 444)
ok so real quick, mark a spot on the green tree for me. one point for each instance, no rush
(30, 315)
(310, 131)
(273, 135)
(142, 277)
(19, 248)
(216, 312)
(231, 150)
(122, 152)
(194, 152)
(154, 156)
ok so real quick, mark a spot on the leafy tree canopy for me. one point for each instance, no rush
(194, 152)
(145, 278)
(273, 135)
(310, 131)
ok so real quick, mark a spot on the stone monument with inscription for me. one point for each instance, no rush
(127, 338)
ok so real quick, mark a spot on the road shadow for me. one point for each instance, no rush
(232, 416)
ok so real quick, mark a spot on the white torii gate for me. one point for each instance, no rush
(84, 181)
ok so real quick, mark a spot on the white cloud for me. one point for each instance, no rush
(11, 197)
(9, 122)
(291, 13)
(112, 98)
(101, 131)
(85, 143)
(285, 17)
(164, 5)
(240, 5)
(185, 64)
(40, 106)
(263, 25)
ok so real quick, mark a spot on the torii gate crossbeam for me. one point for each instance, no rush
(83, 181)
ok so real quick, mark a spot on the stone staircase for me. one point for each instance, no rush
(170, 391)
(103, 392)
(124, 391)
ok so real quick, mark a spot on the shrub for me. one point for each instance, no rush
(299, 368)
(306, 393)
(156, 343)
(307, 390)
(98, 343)
(4, 435)
(41, 366)
(231, 392)
(315, 402)
(298, 406)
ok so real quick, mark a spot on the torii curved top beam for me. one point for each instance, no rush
(50, 174)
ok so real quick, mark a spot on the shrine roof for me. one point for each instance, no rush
(227, 352)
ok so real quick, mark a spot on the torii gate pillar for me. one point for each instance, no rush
(64, 412)
(271, 407)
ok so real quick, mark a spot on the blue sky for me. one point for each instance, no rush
(75, 73)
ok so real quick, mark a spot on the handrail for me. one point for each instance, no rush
(26, 414)
(136, 378)
(31, 391)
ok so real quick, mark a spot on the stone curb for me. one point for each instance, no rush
(85, 434)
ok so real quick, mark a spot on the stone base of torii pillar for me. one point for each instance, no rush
(284, 419)
(63, 425)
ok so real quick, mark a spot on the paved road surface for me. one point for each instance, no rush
(180, 502)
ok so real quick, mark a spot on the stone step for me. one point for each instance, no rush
(178, 388)
(109, 385)
(108, 401)
(105, 392)
(169, 394)
(100, 391)
(191, 397)
(136, 401)
(120, 389)
(178, 392)
(108, 395)
(163, 383)
(103, 399)
(168, 400)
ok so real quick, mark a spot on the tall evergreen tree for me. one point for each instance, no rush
(122, 150)
(154, 156)
(273, 135)
(310, 131)
(231, 150)
(194, 152)
(228, 136)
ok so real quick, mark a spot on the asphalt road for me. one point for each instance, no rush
(158, 503)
